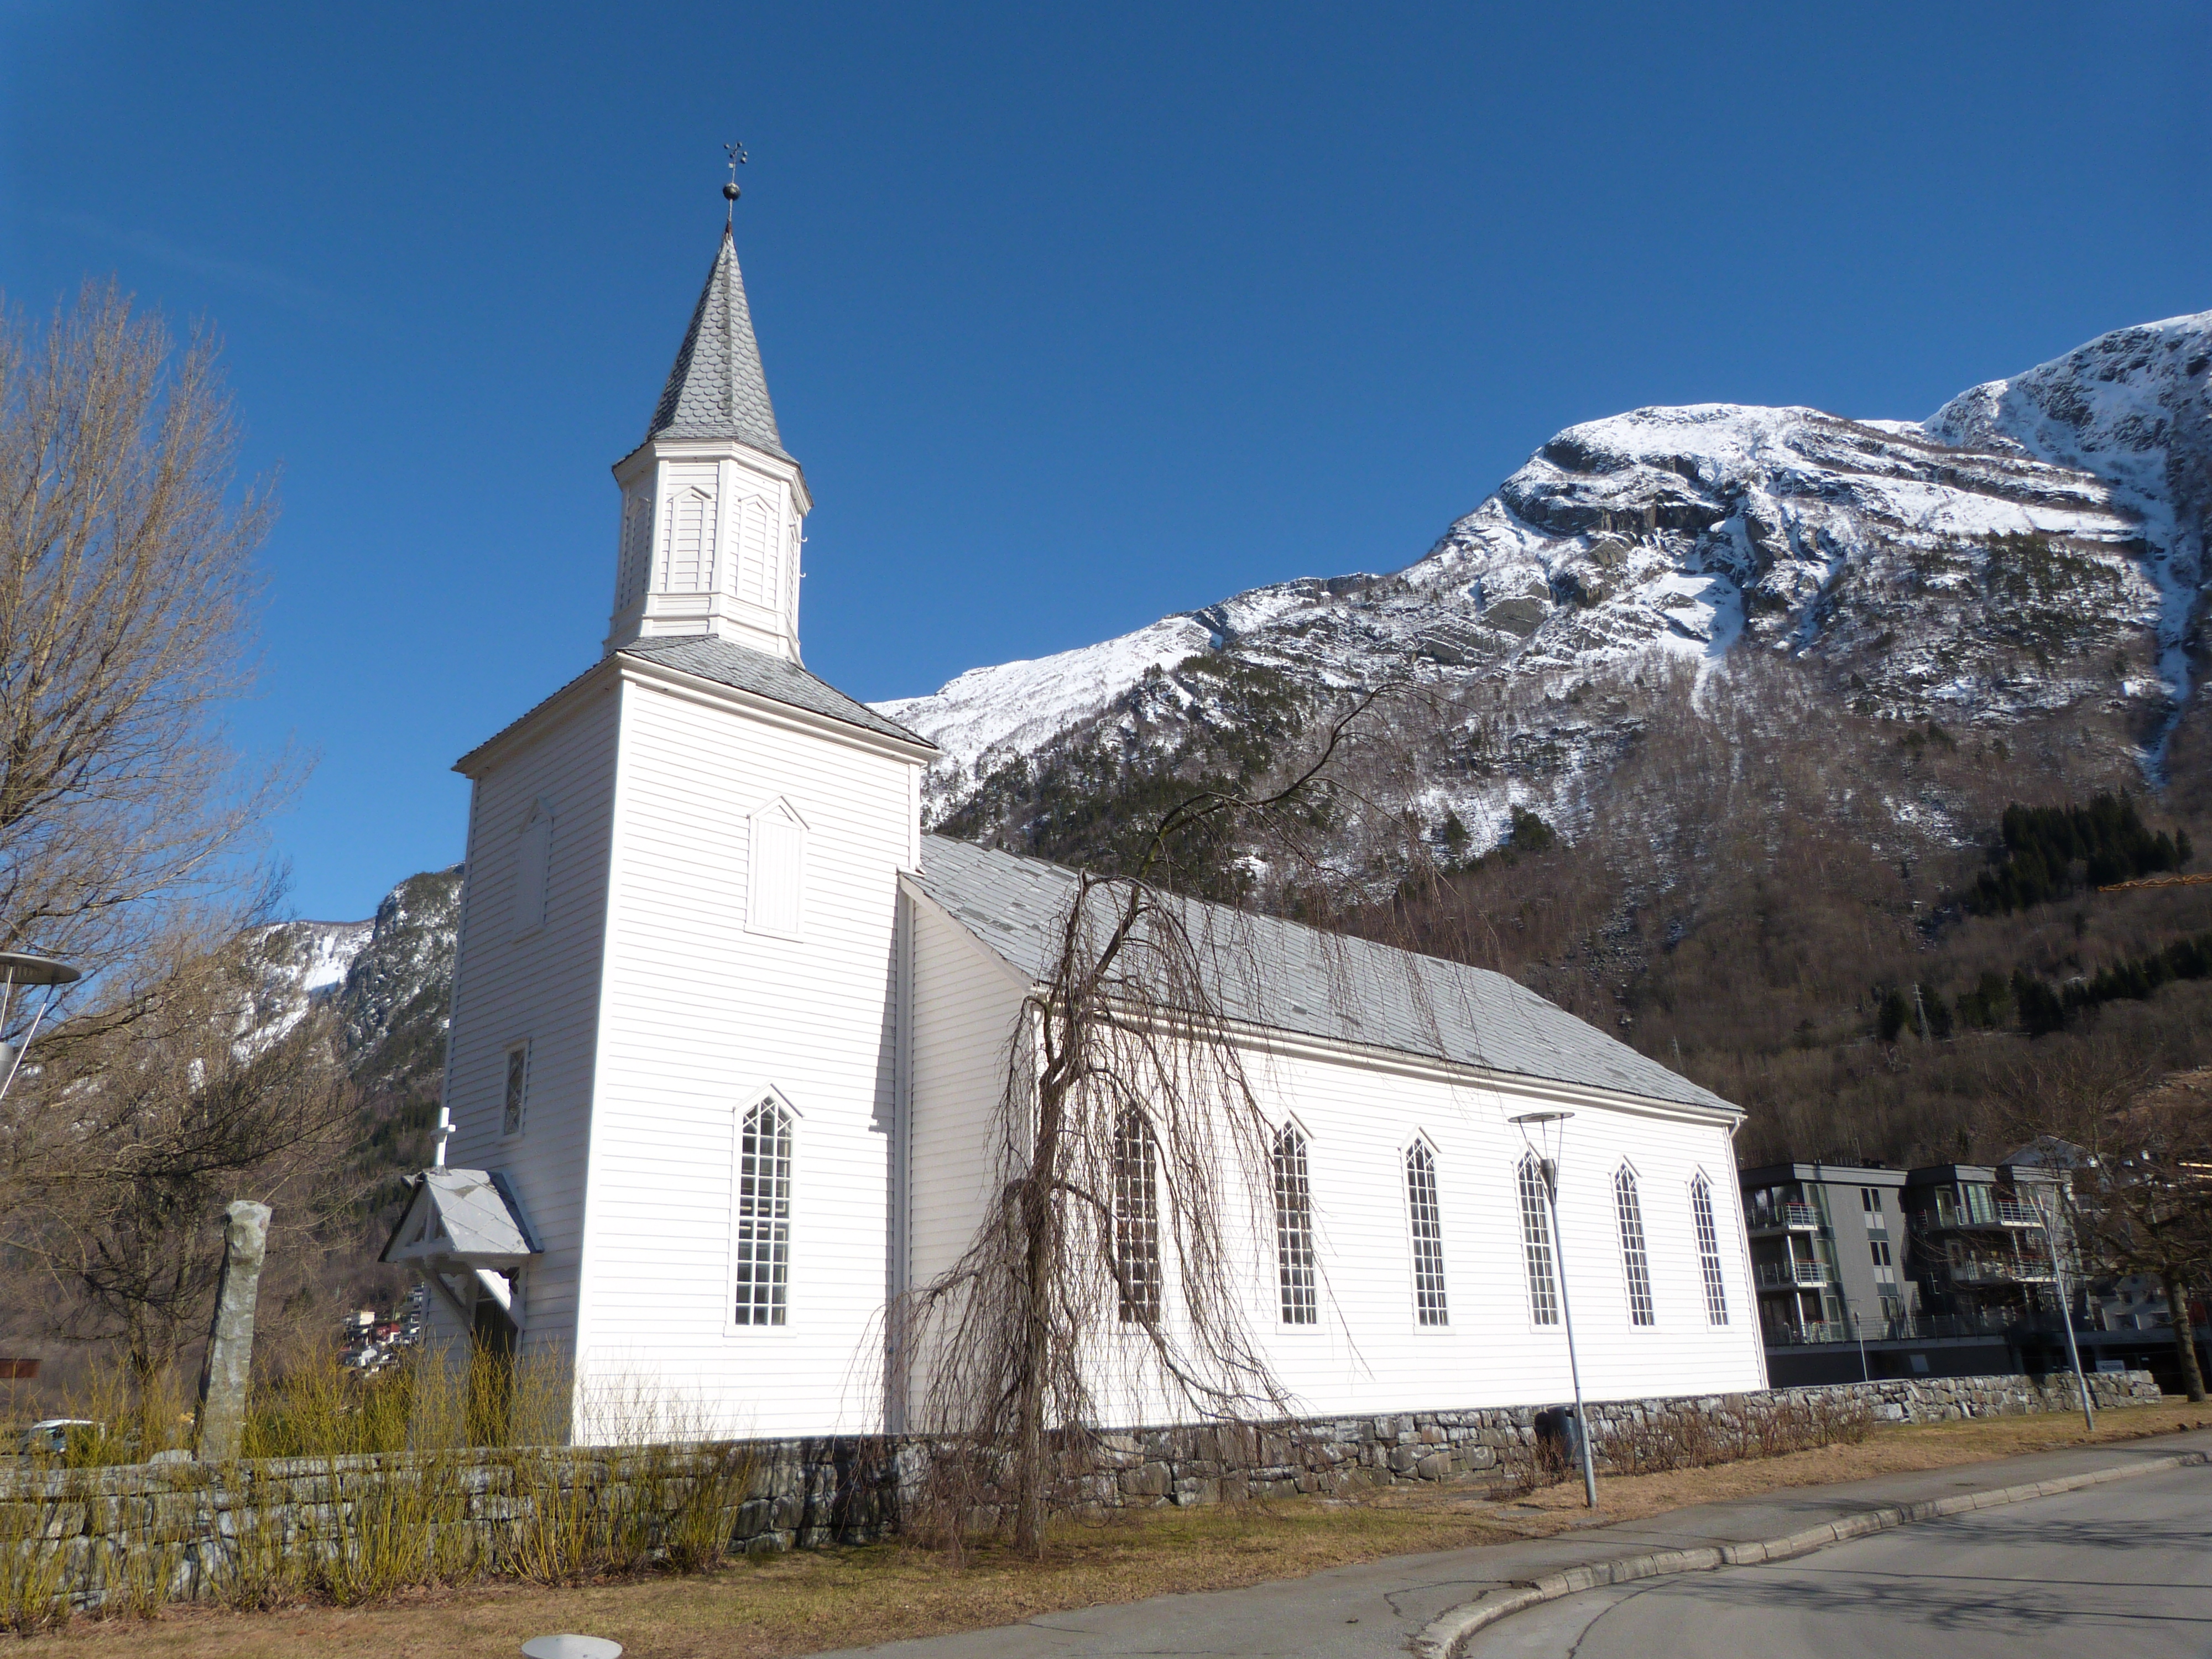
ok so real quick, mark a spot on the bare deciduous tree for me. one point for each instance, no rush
(125, 1144)
(126, 583)
(2142, 1179)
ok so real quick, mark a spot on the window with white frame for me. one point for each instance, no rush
(779, 871)
(533, 868)
(1294, 1234)
(1635, 1260)
(763, 1218)
(1536, 1244)
(1885, 1265)
(1136, 1218)
(1709, 1250)
(1427, 1218)
(514, 1105)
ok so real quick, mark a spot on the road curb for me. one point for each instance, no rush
(1441, 1637)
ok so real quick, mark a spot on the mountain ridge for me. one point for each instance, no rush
(2036, 545)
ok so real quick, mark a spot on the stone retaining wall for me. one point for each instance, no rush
(185, 1521)
(1205, 1465)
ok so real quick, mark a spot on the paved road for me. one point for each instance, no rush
(1374, 1610)
(2124, 1569)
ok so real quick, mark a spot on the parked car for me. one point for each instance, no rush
(51, 1435)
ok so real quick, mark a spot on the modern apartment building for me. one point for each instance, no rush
(1950, 1270)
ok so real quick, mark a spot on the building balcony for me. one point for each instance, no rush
(2007, 1214)
(1789, 1275)
(1812, 1332)
(1998, 1273)
(1786, 1219)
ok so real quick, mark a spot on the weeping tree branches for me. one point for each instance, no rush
(1111, 1277)
(127, 584)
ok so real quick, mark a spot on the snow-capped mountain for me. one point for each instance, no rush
(2038, 542)
(391, 976)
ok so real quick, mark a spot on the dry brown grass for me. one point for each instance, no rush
(768, 1608)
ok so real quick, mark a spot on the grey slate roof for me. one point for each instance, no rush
(745, 668)
(736, 666)
(1288, 977)
(717, 388)
(472, 1219)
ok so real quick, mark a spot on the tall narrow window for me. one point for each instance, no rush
(1136, 1218)
(763, 1252)
(533, 867)
(517, 1100)
(1709, 1251)
(1427, 1218)
(1294, 1235)
(779, 872)
(1536, 1244)
(1635, 1260)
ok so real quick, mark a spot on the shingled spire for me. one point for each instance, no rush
(713, 506)
(717, 389)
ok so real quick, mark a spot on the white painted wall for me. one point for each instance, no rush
(541, 986)
(700, 1013)
(1368, 1352)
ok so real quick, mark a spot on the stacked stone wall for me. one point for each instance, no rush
(184, 1521)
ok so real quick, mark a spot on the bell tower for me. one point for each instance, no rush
(712, 506)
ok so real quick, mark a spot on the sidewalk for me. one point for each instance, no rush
(1383, 1608)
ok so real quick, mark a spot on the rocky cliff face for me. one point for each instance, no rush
(390, 977)
(2037, 546)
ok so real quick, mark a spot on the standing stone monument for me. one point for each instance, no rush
(230, 1338)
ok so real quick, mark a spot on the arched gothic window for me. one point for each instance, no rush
(1536, 1244)
(1709, 1250)
(1635, 1261)
(1136, 1218)
(763, 1221)
(1294, 1234)
(1427, 1218)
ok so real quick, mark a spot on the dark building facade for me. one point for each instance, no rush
(1951, 1270)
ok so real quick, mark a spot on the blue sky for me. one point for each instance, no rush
(1075, 316)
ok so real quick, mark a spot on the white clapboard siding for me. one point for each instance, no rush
(540, 984)
(1360, 1110)
(1368, 1352)
(703, 1010)
(966, 1006)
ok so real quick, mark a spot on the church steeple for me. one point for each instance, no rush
(717, 388)
(712, 501)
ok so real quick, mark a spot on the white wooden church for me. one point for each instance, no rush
(729, 1033)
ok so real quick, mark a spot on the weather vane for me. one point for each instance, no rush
(737, 153)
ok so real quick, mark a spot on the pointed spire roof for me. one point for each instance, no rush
(717, 389)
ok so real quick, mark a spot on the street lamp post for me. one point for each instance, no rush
(1550, 1166)
(20, 969)
(2066, 1309)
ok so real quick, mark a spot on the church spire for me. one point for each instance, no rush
(713, 508)
(717, 388)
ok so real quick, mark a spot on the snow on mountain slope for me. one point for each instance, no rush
(2130, 406)
(1018, 706)
(2038, 542)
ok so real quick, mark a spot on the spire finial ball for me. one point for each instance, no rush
(730, 192)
